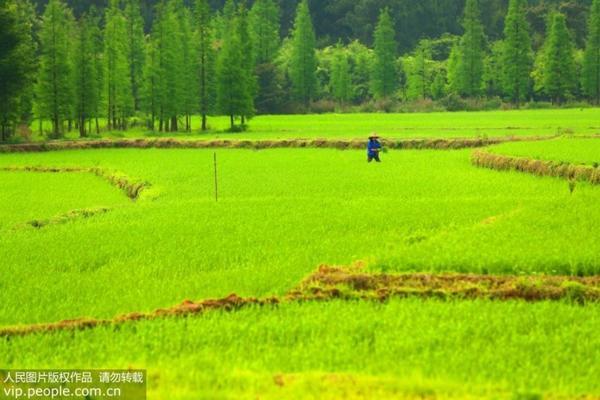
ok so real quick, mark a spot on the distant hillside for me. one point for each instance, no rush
(355, 19)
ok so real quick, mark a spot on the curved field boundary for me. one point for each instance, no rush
(66, 217)
(171, 143)
(132, 189)
(187, 308)
(485, 159)
(337, 283)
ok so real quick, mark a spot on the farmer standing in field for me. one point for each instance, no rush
(373, 148)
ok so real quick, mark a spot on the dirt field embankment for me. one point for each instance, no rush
(340, 283)
(485, 159)
(174, 143)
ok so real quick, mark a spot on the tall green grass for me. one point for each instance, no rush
(281, 213)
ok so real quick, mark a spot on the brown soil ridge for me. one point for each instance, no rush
(174, 143)
(66, 217)
(353, 283)
(343, 283)
(574, 172)
(132, 188)
(187, 308)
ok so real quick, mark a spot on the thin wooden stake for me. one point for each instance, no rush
(216, 179)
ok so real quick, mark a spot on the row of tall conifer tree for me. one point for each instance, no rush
(76, 73)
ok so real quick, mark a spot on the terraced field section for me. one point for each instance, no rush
(393, 126)
(29, 197)
(579, 151)
(570, 159)
(400, 349)
(449, 273)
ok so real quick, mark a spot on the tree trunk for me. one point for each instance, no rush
(97, 126)
(82, 127)
(174, 127)
(109, 120)
(5, 132)
(204, 122)
(162, 122)
(55, 127)
(231, 118)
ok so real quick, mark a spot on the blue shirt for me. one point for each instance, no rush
(372, 148)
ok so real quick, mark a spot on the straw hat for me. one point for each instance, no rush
(374, 135)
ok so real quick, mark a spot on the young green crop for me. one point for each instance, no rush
(27, 196)
(569, 150)
(415, 125)
(402, 349)
(280, 214)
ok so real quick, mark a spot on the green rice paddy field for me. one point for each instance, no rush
(350, 126)
(280, 214)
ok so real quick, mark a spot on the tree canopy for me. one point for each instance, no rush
(74, 67)
(355, 19)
